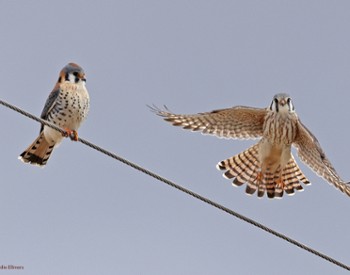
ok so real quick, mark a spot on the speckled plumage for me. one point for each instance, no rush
(268, 166)
(67, 106)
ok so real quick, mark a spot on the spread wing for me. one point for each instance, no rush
(311, 153)
(237, 122)
(49, 104)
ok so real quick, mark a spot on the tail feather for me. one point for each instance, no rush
(292, 176)
(245, 167)
(272, 190)
(38, 152)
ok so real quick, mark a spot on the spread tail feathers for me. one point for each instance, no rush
(38, 152)
(245, 168)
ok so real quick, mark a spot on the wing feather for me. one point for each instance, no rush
(239, 122)
(311, 153)
(49, 104)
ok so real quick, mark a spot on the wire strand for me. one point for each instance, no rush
(183, 189)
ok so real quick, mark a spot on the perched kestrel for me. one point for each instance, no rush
(67, 107)
(268, 165)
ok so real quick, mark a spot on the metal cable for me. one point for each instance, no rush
(183, 189)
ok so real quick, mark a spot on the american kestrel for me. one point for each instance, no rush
(67, 107)
(268, 165)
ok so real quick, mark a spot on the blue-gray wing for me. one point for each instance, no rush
(49, 104)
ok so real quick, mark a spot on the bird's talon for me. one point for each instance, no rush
(259, 177)
(280, 183)
(72, 134)
(66, 133)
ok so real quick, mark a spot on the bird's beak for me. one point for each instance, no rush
(283, 102)
(82, 77)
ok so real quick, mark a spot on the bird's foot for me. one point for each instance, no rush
(280, 183)
(259, 177)
(72, 134)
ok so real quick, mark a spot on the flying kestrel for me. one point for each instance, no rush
(269, 165)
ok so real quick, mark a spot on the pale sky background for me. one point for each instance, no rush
(87, 214)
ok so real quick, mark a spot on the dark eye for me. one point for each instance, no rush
(274, 101)
(290, 104)
(75, 73)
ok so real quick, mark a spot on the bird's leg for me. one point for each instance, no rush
(72, 134)
(280, 182)
(259, 177)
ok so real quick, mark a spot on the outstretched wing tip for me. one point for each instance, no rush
(310, 152)
(165, 112)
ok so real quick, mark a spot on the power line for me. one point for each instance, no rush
(183, 189)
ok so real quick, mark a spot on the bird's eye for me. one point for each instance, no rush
(290, 104)
(274, 105)
(75, 73)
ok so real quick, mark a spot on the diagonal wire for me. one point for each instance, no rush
(183, 189)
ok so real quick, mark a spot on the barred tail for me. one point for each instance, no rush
(245, 168)
(38, 152)
(292, 176)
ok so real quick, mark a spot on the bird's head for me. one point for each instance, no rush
(282, 103)
(72, 73)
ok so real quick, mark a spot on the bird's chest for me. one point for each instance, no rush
(280, 129)
(72, 107)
